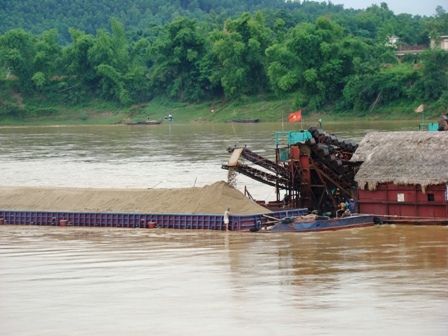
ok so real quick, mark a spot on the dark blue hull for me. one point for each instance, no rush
(141, 220)
(324, 224)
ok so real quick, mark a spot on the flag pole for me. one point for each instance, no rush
(283, 122)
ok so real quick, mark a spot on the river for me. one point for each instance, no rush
(165, 156)
(88, 281)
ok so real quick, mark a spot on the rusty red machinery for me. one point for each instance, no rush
(311, 169)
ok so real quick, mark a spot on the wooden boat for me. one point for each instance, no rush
(245, 121)
(312, 223)
(145, 122)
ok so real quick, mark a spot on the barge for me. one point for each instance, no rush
(141, 220)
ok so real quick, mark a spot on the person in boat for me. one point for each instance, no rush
(352, 205)
(337, 195)
(169, 117)
(343, 210)
(226, 219)
(286, 200)
(443, 122)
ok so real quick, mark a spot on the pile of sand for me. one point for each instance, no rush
(213, 198)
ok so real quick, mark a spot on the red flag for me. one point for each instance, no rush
(295, 116)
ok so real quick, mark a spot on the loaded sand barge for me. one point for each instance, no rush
(187, 208)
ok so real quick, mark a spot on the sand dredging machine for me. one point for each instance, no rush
(311, 169)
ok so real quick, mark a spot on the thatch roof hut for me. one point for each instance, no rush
(402, 158)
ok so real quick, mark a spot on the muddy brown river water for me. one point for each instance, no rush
(385, 280)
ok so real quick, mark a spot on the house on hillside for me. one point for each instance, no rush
(402, 49)
(403, 174)
(441, 42)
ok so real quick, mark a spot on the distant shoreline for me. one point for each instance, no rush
(96, 113)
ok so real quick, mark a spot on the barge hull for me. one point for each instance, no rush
(140, 220)
(413, 220)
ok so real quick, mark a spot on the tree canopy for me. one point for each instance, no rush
(196, 50)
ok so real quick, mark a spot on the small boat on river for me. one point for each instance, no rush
(312, 223)
(144, 122)
(245, 121)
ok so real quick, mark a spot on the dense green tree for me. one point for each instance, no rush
(315, 60)
(177, 54)
(17, 53)
(406, 81)
(368, 91)
(240, 52)
(47, 60)
(434, 79)
(100, 63)
(89, 15)
(110, 59)
(438, 25)
(191, 50)
(77, 58)
(137, 75)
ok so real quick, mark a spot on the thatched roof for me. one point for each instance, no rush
(402, 158)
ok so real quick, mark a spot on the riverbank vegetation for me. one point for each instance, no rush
(214, 61)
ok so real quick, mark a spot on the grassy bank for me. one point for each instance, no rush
(96, 112)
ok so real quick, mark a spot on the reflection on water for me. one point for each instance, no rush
(79, 281)
(84, 281)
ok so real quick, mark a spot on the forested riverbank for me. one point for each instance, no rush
(209, 62)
